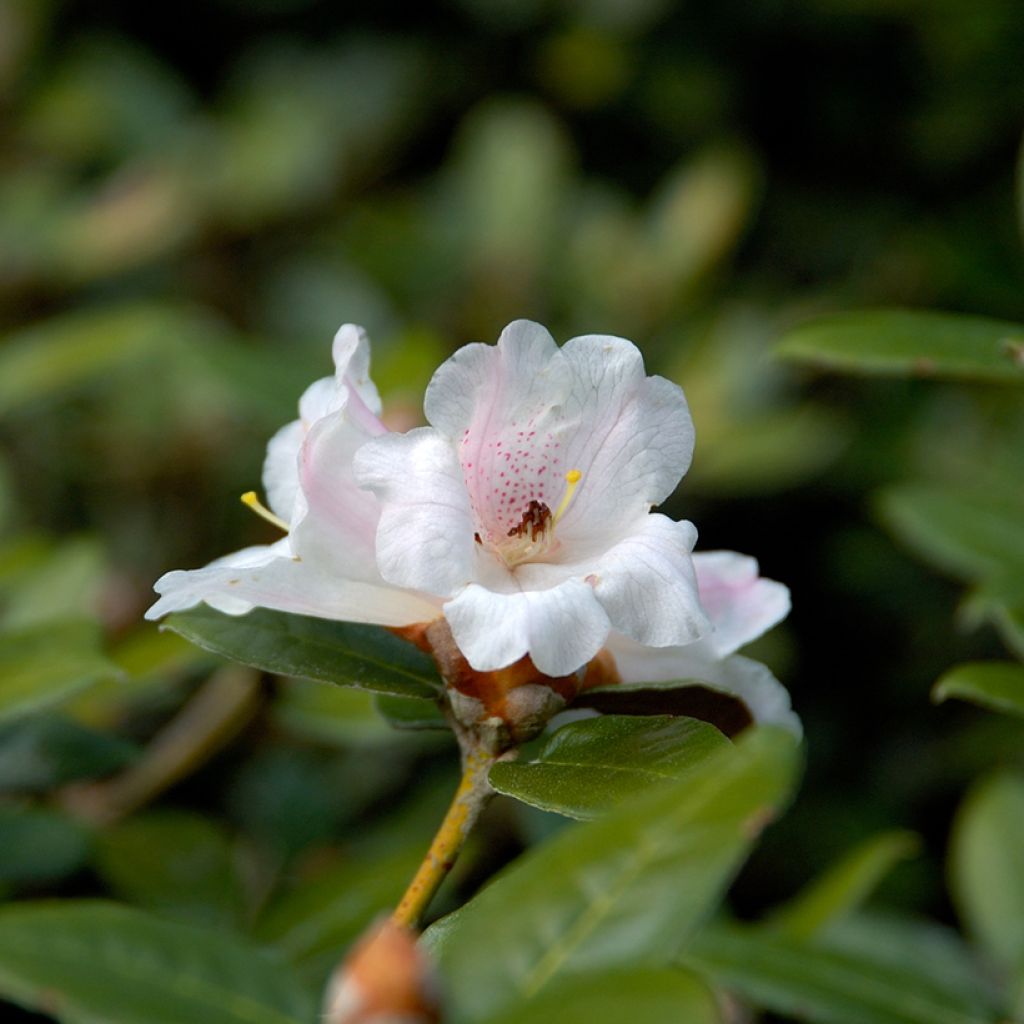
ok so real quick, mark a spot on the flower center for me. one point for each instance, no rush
(533, 535)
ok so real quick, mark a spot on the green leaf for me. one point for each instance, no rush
(589, 766)
(997, 685)
(510, 176)
(342, 716)
(1020, 189)
(57, 581)
(626, 890)
(1010, 624)
(40, 846)
(42, 665)
(410, 712)
(151, 655)
(44, 751)
(999, 599)
(175, 863)
(71, 350)
(314, 924)
(766, 452)
(965, 533)
(865, 971)
(86, 962)
(908, 343)
(7, 498)
(987, 868)
(639, 996)
(844, 886)
(343, 653)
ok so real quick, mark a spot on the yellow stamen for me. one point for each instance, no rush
(250, 500)
(572, 479)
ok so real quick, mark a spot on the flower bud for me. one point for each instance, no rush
(386, 979)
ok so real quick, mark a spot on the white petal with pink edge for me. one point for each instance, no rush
(740, 603)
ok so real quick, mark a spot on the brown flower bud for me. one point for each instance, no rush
(386, 979)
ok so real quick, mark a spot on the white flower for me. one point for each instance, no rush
(522, 513)
(525, 507)
(741, 605)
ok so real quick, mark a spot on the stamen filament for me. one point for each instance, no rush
(250, 500)
(572, 479)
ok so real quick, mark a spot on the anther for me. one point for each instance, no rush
(250, 500)
(572, 480)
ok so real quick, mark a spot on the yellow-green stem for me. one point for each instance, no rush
(470, 798)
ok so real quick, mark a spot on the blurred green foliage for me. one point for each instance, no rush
(193, 197)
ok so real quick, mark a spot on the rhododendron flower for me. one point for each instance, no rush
(522, 514)
(526, 504)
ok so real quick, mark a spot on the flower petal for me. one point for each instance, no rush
(271, 577)
(281, 469)
(339, 526)
(633, 438)
(425, 535)
(498, 383)
(350, 387)
(561, 628)
(502, 407)
(750, 681)
(351, 351)
(647, 585)
(757, 687)
(740, 604)
(322, 398)
(646, 582)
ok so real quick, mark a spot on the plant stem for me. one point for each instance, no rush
(470, 799)
(211, 718)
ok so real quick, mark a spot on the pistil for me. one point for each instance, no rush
(533, 534)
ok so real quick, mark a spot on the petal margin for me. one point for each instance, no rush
(648, 586)
(271, 577)
(281, 469)
(561, 628)
(740, 603)
(633, 440)
(753, 683)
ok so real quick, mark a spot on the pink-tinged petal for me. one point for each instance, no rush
(338, 524)
(425, 535)
(501, 382)
(350, 386)
(351, 351)
(750, 681)
(322, 398)
(272, 577)
(502, 406)
(647, 584)
(740, 604)
(351, 389)
(633, 441)
(561, 628)
(281, 469)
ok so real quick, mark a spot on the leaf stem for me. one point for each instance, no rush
(211, 718)
(470, 798)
